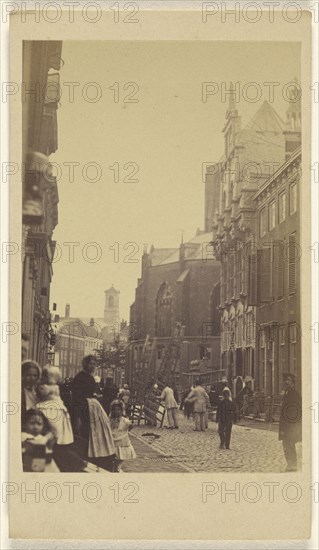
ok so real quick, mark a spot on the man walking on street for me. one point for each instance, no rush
(226, 415)
(290, 422)
(200, 400)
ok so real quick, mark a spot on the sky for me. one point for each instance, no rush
(167, 134)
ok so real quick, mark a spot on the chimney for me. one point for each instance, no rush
(67, 311)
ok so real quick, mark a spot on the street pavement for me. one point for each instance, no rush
(252, 449)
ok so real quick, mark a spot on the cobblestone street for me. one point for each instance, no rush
(253, 449)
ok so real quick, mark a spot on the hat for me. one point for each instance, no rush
(286, 375)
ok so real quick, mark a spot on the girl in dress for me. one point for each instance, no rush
(120, 427)
(37, 443)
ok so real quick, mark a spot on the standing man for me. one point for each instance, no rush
(171, 406)
(225, 416)
(198, 396)
(83, 386)
(290, 422)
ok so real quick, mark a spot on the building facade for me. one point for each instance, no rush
(40, 97)
(249, 241)
(177, 288)
(277, 280)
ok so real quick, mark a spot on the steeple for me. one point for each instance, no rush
(292, 130)
(232, 125)
(111, 308)
(231, 102)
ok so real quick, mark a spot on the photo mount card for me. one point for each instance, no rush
(160, 238)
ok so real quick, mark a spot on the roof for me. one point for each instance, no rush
(262, 137)
(266, 119)
(193, 250)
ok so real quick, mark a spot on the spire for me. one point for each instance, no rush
(293, 121)
(292, 131)
(232, 102)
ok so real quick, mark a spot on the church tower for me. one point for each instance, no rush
(112, 307)
(292, 130)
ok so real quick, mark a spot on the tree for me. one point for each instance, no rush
(111, 355)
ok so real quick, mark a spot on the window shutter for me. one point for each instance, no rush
(278, 270)
(292, 263)
(264, 275)
(252, 280)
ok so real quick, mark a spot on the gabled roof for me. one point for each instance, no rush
(266, 119)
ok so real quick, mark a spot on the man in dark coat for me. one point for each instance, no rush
(225, 416)
(290, 422)
(83, 386)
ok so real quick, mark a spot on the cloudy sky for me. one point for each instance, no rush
(167, 134)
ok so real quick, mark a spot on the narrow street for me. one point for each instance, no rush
(253, 449)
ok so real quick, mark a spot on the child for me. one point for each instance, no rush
(37, 443)
(226, 415)
(52, 405)
(120, 428)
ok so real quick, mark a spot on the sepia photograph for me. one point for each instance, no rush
(161, 257)
(160, 320)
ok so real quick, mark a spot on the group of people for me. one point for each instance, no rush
(196, 401)
(64, 426)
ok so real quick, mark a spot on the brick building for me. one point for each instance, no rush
(253, 228)
(277, 278)
(177, 287)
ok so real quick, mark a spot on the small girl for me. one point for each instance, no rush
(226, 415)
(120, 427)
(37, 443)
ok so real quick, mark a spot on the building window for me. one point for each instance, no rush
(292, 263)
(262, 222)
(272, 215)
(282, 207)
(293, 198)
(262, 339)
(292, 339)
(282, 350)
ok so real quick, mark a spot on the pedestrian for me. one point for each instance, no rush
(200, 401)
(91, 423)
(120, 426)
(290, 422)
(30, 373)
(83, 387)
(171, 406)
(226, 415)
(185, 405)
